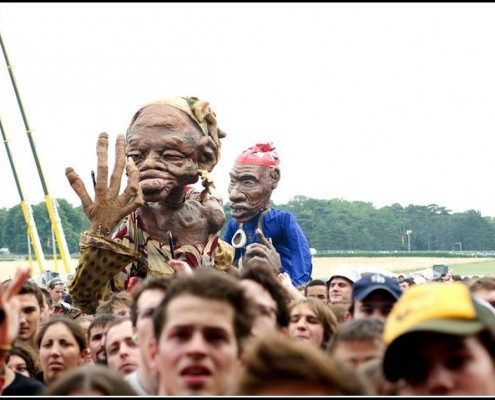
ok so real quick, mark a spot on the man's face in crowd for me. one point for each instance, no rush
(448, 365)
(404, 285)
(57, 292)
(377, 304)
(147, 302)
(356, 352)
(197, 352)
(46, 311)
(250, 189)
(305, 326)
(266, 320)
(96, 341)
(121, 351)
(340, 290)
(318, 292)
(301, 289)
(121, 310)
(30, 316)
(164, 145)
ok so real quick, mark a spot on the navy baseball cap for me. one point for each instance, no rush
(369, 283)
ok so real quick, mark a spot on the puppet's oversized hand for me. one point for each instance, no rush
(108, 207)
(262, 253)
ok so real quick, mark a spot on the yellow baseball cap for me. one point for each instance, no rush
(432, 307)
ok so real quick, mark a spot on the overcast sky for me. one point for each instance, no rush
(382, 103)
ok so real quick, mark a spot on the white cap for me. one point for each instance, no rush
(347, 272)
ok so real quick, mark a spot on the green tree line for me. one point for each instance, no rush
(13, 227)
(332, 225)
(340, 225)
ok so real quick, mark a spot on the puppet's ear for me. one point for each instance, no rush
(209, 153)
(275, 176)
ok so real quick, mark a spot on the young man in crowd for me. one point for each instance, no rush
(146, 297)
(121, 350)
(97, 332)
(340, 284)
(19, 301)
(373, 296)
(317, 289)
(199, 333)
(119, 304)
(357, 341)
(406, 284)
(31, 300)
(440, 342)
(270, 298)
(48, 306)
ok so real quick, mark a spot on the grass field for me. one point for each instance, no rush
(324, 266)
(480, 268)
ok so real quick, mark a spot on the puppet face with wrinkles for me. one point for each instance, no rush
(166, 146)
(250, 189)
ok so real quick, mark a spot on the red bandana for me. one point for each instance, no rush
(259, 154)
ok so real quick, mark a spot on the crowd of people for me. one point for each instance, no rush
(159, 304)
(205, 332)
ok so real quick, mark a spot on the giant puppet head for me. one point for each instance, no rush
(173, 141)
(252, 180)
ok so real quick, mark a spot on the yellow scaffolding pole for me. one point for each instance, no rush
(26, 209)
(50, 204)
(33, 235)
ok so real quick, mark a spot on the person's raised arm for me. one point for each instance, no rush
(286, 282)
(10, 309)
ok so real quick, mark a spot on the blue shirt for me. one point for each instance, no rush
(287, 238)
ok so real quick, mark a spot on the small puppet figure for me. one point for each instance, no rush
(253, 178)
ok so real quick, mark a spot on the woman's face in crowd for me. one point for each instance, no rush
(18, 364)
(59, 352)
(305, 325)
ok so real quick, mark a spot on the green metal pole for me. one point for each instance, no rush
(51, 206)
(26, 209)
